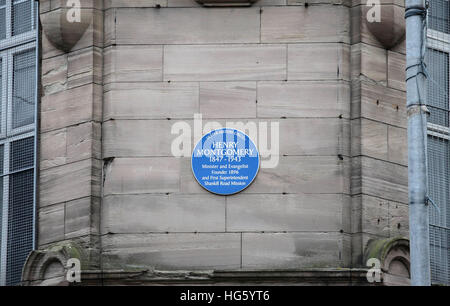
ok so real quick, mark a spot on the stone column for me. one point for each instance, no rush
(70, 130)
(379, 148)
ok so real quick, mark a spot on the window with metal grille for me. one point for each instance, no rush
(438, 101)
(18, 96)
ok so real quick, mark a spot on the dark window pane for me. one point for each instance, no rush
(2, 148)
(24, 88)
(1, 91)
(20, 224)
(437, 92)
(1, 212)
(2, 22)
(22, 17)
(439, 13)
(22, 154)
(439, 191)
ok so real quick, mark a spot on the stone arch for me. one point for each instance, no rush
(393, 254)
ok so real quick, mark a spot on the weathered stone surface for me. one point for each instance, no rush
(130, 138)
(371, 215)
(224, 62)
(311, 136)
(303, 99)
(300, 24)
(85, 67)
(398, 220)
(53, 151)
(54, 74)
(381, 179)
(299, 212)
(301, 174)
(151, 100)
(83, 141)
(398, 145)
(51, 224)
(142, 175)
(141, 63)
(173, 251)
(163, 213)
(396, 70)
(373, 63)
(70, 107)
(379, 103)
(187, 26)
(82, 217)
(280, 251)
(69, 182)
(134, 3)
(373, 139)
(318, 61)
(70, 144)
(228, 99)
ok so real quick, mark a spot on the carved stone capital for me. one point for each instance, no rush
(389, 30)
(49, 266)
(65, 26)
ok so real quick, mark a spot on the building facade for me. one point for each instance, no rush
(117, 80)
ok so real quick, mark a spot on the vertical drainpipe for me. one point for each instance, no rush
(417, 139)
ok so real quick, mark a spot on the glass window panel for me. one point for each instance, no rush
(22, 154)
(1, 159)
(438, 91)
(1, 93)
(439, 178)
(20, 224)
(2, 22)
(438, 15)
(23, 89)
(439, 191)
(1, 194)
(21, 16)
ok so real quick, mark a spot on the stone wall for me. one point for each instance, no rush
(108, 179)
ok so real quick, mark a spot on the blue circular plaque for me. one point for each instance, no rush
(225, 161)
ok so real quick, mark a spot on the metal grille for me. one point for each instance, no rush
(22, 20)
(20, 208)
(18, 96)
(23, 89)
(2, 148)
(438, 66)
(2, 96)
(2, 19)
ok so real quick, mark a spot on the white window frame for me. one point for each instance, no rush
(10, 131)
(11, 40)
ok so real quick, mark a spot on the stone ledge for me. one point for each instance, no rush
(355, 277)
